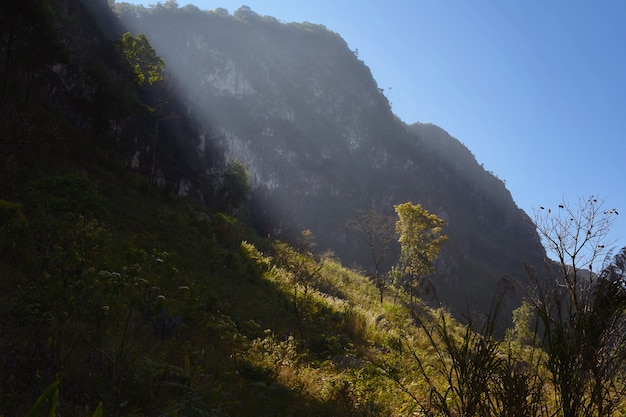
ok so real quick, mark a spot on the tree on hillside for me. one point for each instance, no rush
(142, 58)
(148, 69)
(582, 314)
(377, 232)
(235, 187)
(420, 240)
(245, 13)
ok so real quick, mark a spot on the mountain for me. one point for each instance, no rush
(298, 108)
(132, 282)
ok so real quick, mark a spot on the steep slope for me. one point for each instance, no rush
(305, 116)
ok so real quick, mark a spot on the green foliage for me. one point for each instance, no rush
(245, 13)
(465, 370)
(420, 240)
(68, 193)
(523, 330)
(142, 58)
(235, 187)
(50, 395)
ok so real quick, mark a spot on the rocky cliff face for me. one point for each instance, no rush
(305, 116)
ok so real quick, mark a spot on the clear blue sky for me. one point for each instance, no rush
(535, 89)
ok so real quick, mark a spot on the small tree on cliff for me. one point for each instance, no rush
(420, 240)
(147, 66)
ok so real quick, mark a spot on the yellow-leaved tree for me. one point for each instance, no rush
(421, 239)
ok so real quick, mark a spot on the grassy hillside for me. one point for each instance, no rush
(126, 295)
(154, 305)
